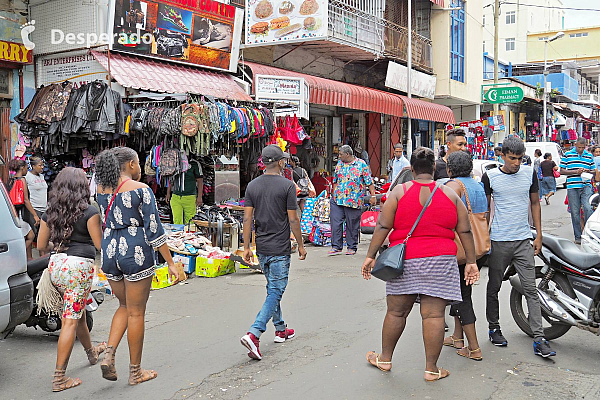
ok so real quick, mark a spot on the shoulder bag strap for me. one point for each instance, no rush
(111, 202)
(422, 212)
(462, 185)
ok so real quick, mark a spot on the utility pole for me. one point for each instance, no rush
(409, 143)
(496, 18)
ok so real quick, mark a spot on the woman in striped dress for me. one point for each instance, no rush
(430, 269)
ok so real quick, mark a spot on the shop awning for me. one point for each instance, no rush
(340, 94)
(591, 120)
(438, 2)
(163, 77)
(419, 109)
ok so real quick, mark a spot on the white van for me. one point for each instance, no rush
(547, 147)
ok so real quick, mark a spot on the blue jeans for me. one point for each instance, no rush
(276, 269)
(548, 185)
(579, 198)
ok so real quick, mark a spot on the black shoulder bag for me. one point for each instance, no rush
(390, 263)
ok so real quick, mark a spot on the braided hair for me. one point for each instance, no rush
(110, 163)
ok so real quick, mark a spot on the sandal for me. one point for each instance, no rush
(61, 382)
(109, 371)
(439, 375)
(334, 252)
(469, 354)
(351, 252)
(377, 362)
(454, 340)
(138, 375)
(93, 353)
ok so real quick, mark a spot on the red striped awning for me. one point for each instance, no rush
(164, 77)
(438, 2)
(340, 94)
(419, 109)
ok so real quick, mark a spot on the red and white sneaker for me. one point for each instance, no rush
(282, 336)
(251, 342)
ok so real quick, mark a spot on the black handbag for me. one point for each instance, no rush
(390, 263)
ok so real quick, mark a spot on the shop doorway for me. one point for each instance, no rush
(4, 141)
(374, 142)
(395, 132)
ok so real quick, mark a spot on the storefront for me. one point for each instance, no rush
(14, 58)
(362, 117)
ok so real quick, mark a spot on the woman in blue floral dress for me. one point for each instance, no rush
(132, 232)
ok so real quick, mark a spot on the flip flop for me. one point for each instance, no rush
(351, 252)
(334, 252)
(377, 362)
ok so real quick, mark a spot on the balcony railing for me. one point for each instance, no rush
(361, 24)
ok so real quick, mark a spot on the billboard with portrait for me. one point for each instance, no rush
(283, 21)
(200, 32)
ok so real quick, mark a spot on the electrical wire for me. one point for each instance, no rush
(550, 7)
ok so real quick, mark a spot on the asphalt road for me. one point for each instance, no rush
(193, 331)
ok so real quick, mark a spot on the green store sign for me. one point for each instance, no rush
(511, 94)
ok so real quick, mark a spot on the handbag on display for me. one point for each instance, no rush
(306, 222)
(480, 229)
(390, 263)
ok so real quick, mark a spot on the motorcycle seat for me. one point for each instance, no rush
(569, 252)
(37, 265)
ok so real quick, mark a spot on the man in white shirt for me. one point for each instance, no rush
(397, 163)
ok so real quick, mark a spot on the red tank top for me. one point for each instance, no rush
(434, 235)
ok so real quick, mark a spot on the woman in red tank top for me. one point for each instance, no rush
(430, 268)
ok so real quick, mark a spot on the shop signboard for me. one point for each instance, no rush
(206, 33)
(290, 91)
(79, 68)
(422, 85)
(509, 94)
(15, 53)
(282, 21)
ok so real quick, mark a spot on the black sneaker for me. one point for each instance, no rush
(497, 338)
(543, 349)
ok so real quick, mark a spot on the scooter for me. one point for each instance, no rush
(52, 322)
(568, 286)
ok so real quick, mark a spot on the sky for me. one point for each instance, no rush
(577, 19)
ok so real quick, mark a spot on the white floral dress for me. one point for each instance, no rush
(133, 230)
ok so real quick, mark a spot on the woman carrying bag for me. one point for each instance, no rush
(460, 166)
(304, 186)
(423, 217)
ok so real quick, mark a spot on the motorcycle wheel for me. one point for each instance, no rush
(557, 328)
(89, 320)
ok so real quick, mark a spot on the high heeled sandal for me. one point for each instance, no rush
(93, 353)
(109, 371)
(138, 375)
(454, 340)
(61, 382)
(439, 375)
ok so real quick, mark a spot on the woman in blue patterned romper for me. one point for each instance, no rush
(132, 233)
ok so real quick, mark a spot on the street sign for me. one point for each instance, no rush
(511, 94)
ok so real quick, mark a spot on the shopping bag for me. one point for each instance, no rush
(320, 234)
(306, 222)
(368, 221)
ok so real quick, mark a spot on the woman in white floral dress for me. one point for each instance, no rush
(132, 232)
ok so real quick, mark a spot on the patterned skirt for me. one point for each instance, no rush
(432, 276)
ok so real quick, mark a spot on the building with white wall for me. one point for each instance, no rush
(515, 22)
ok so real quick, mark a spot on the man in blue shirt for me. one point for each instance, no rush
(397, 163)
(574, 163)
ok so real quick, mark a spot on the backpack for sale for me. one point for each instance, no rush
(148, 169)
(170, 162)
(17, 192)
(190, 119)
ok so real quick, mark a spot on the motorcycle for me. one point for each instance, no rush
(568, 285)
(53, 322)
(590, 237)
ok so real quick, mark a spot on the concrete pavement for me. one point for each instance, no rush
(193, 331)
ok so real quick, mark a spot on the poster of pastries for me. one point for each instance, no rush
(199, 32)
(279, 21)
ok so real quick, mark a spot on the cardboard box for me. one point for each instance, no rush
(210, 268)
(188, 261)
